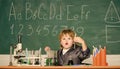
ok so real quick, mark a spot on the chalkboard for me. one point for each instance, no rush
(40, 22)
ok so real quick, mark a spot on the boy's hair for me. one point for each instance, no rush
(67, 31)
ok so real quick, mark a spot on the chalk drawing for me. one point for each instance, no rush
(112, 15)
(110, 34)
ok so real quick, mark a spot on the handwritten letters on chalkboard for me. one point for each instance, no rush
(38, 14)
(40, 22)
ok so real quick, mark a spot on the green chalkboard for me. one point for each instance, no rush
(40, 22)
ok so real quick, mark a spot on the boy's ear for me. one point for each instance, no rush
(60, 42)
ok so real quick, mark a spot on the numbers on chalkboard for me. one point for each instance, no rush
(43, 30)
(73, 28)
(46, 29)
(80, 30)
(31, 29)
(63, 27)
(38, 30)
(54, 30)
(21, 28)
(12, 29)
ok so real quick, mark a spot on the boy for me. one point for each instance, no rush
(70, 51)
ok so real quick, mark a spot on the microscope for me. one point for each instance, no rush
(24, 57)
(18, 51)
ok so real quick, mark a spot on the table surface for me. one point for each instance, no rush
(58, 67)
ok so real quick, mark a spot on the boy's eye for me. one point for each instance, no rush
(63, 38)
(69, 38)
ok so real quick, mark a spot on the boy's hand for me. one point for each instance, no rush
(47, 48)
(78, 39)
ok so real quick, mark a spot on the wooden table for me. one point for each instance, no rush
(59, 67)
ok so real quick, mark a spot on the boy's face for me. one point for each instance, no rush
(66, 41)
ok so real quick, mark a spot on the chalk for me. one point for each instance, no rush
(74, 42)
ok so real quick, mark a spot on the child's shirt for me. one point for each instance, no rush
(75, 53)
(64, 51)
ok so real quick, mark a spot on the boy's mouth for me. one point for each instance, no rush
(66, 43)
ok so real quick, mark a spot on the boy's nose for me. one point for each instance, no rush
(66, 40)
